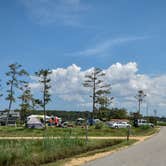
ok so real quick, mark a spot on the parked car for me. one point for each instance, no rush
(119, 125)
(142, 122)
(93, 121)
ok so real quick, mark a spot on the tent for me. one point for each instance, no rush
(80, 121)
(34, 123)
(38, 117)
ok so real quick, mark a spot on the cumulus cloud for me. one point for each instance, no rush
(66, 83)
(55, 11)
(124, 78)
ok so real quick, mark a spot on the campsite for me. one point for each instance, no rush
(35, 138)
(53, 144)
(81, 80)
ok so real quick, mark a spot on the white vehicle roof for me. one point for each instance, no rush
(38, 116)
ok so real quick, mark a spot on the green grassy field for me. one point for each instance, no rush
(46, 151)
(37, 152)
(77, 131)
(91, 153)
(161, 123)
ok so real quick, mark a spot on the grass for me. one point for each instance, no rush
(144, 131)
(37, 152)
(161, 123)
(91, 153)
(77, 131)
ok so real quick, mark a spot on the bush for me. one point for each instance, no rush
(145, 127)
(98, 125)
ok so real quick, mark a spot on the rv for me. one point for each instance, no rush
(12, 119)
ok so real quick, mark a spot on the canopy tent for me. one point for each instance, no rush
(34, 123)
(38, 117)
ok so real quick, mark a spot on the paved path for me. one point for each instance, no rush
(151, 152)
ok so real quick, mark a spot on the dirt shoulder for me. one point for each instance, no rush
(82, 160)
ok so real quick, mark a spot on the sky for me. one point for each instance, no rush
(125, 38)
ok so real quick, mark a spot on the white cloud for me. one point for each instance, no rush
(66, 83)
(125, 81)
(55, 11)
(105, 46)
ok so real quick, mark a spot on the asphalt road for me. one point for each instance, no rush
(151, 152)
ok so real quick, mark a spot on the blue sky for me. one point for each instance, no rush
(58, 33)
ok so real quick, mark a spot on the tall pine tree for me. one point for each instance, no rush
(15, 71)
(95, 81)
(44, 79)
(26, 98)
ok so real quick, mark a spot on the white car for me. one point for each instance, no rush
(143, 122)
(119, 125)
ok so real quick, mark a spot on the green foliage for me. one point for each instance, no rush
(135, 115)
(76, 132)
(44, 79)
(160, 123)
(14, 83)
(98, 125)
(144, 127)
(117, 113)
(152, 119)
(26, 101)
(95, 82)
(37, 152)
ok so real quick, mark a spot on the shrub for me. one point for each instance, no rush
(145, 127)
(98, 125)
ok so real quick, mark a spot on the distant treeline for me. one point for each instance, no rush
(105, 114)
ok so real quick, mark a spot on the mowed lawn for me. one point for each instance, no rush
(76, 131)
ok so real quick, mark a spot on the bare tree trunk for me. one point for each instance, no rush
(94, 96)
(8, 111)
(44, 105)
(10, 104)
(139, 106)
(86, 128)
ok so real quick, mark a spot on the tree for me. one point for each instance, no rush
(13, 83)
(95, 82)
(140, 97)
(34, 103)
(118, 113)
(104, 101)
(45, 80)
(26, 101)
